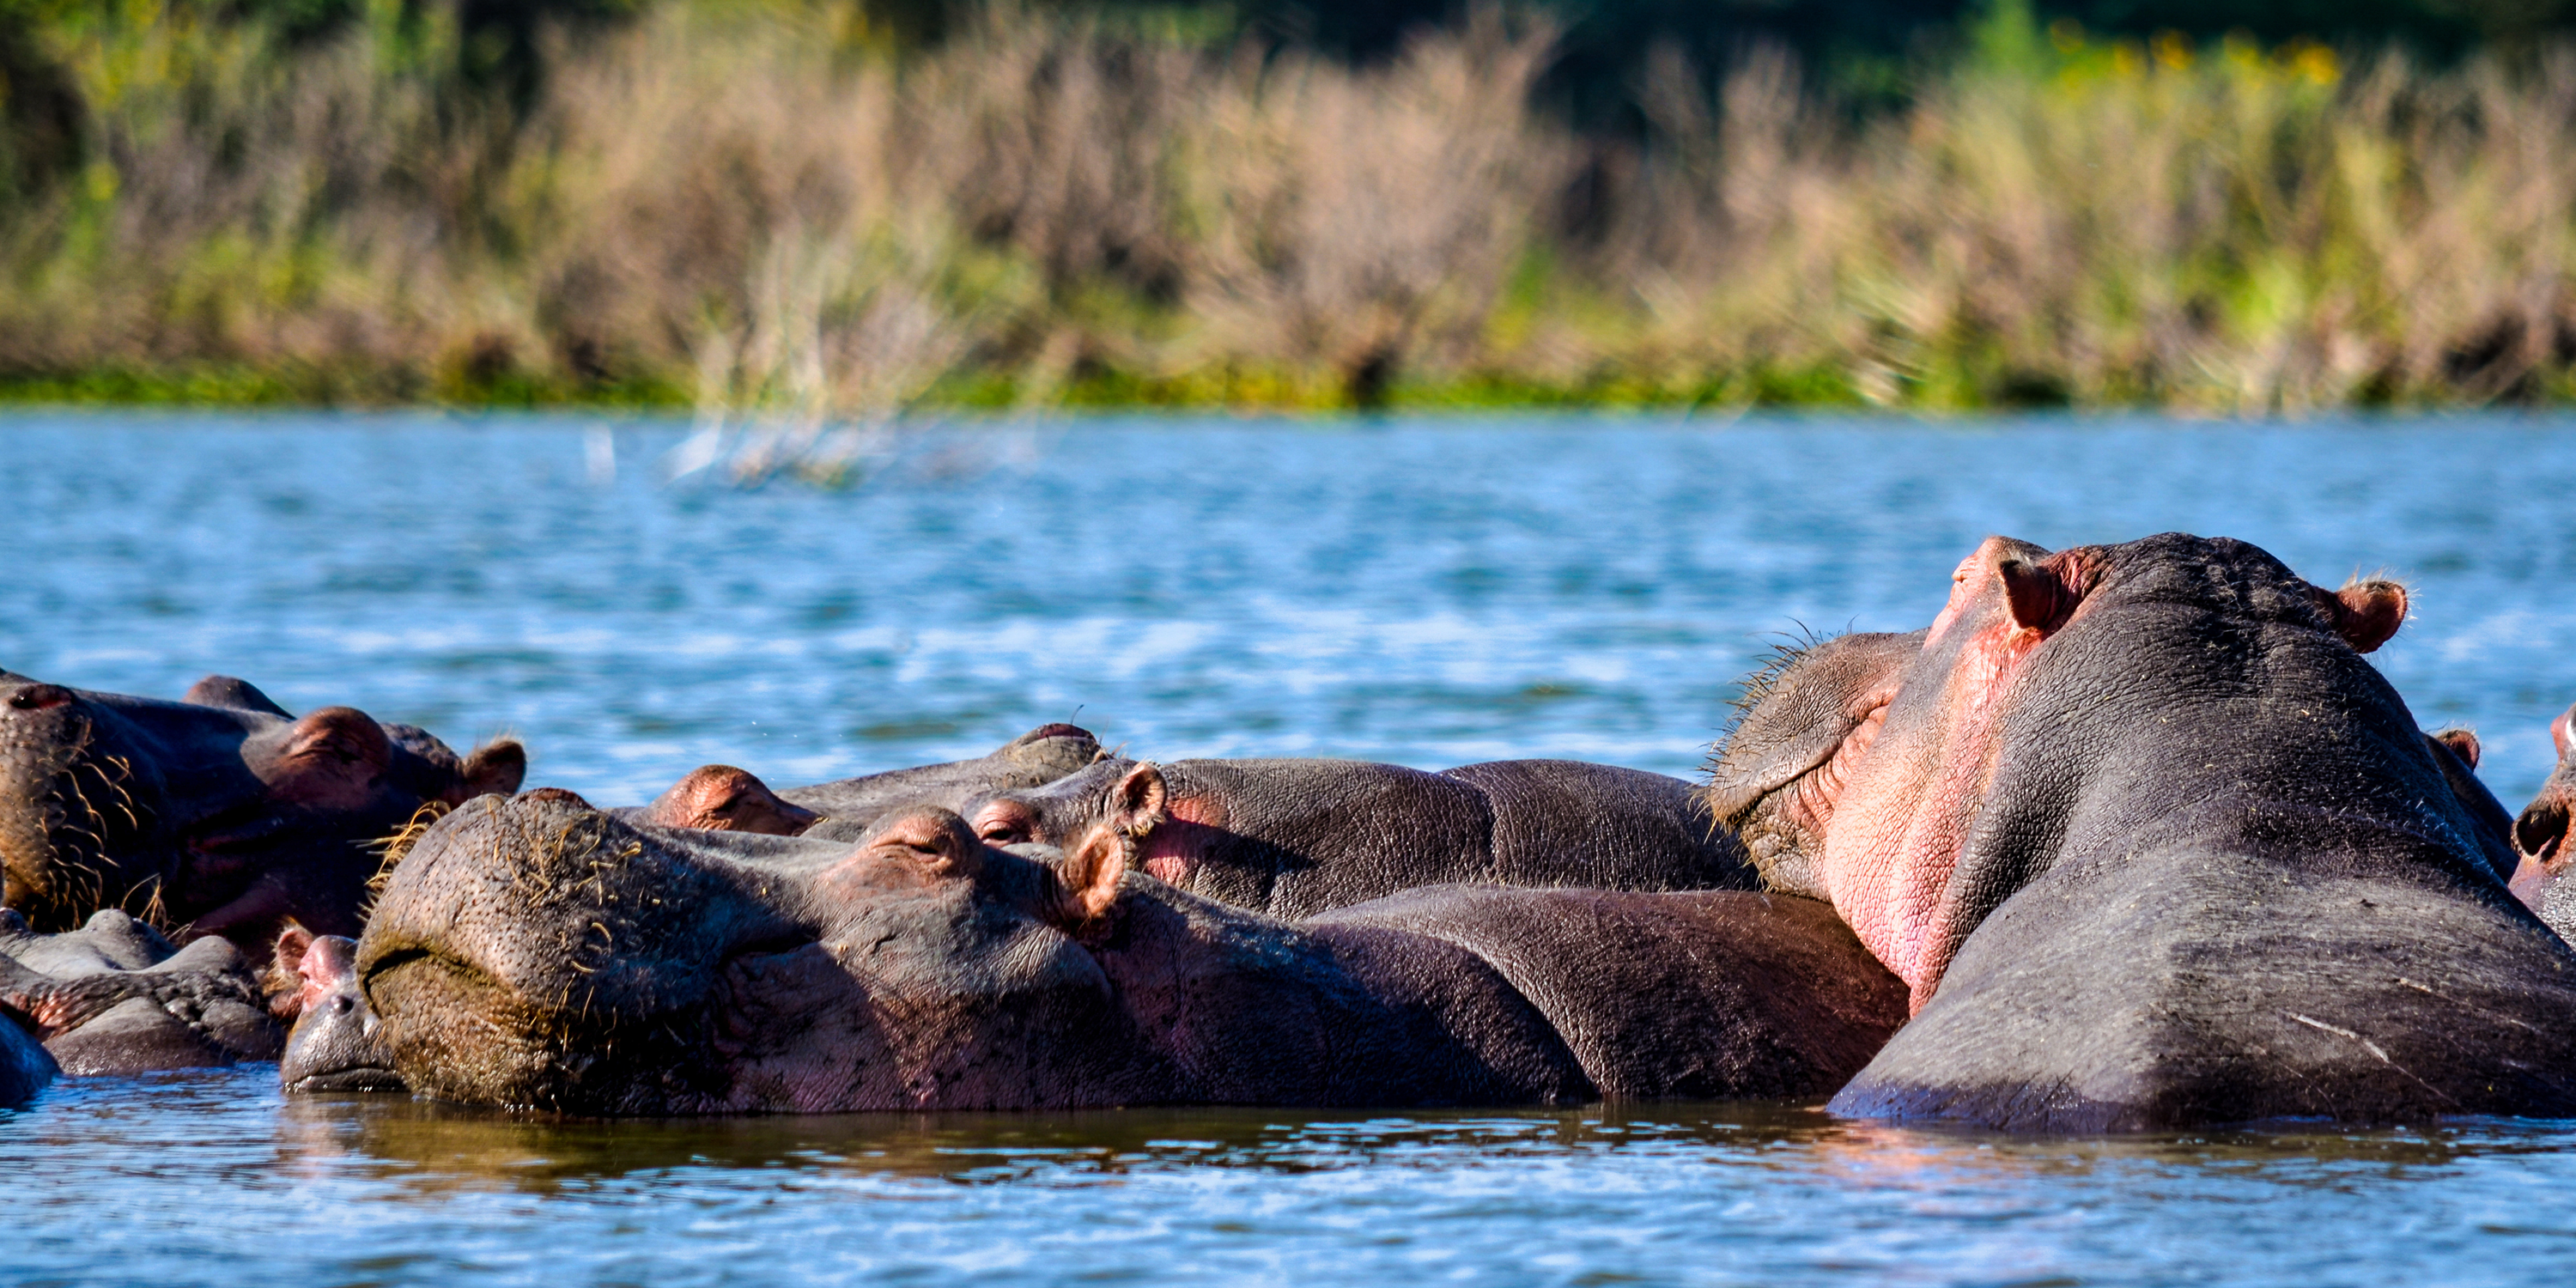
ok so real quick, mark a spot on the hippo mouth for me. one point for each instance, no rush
(1782, 816)
(365, 1077)
(474, 1039)
(2540, 836)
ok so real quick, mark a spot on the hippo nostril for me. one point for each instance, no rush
(40, 697)
(2541, 830)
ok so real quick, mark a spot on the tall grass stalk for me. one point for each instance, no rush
(754, 212)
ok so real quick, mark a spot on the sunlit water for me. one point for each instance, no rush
(1426, 592)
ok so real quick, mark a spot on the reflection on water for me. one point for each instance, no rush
(1427, 592)
(185, 1178)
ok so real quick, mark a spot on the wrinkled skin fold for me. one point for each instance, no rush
(216, 815)
(541, 954)
(2153, 846)
(116, 997)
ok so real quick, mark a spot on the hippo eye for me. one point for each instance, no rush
(1002, 832)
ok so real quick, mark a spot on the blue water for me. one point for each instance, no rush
(1426, 592)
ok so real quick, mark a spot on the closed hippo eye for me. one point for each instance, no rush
(999, 824)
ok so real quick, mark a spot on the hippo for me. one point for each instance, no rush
(26, 1067)
(2540, 841)
(333, 1045)
(218, 814)
(722, 798)
(1040, 756)
(538, 953)
(1293, 838)
(2152, 846)
(117, 997)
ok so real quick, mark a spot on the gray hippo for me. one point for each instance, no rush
(216, 814)
(536, 952)
(723, 798)
(2152, 846)
(2540, 840)
(117, 997)
(333, 1045)
(26, 1067)
(1293, 838)
(1290, 838)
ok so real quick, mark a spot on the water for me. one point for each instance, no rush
(1425, 592)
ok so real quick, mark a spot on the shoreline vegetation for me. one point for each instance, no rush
(760, 211)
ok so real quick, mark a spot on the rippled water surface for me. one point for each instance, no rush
(1426, 592)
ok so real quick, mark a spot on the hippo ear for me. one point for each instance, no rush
(284, 982)
(1137, 804)
(495, 769)
(331, 759)
(2463, 744)
(225, 691)
(2039, 599)
(2365, 613)
(2558, 731)
(1090, 875)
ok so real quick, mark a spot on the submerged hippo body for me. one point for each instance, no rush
(217, 814)
(25, 1066)
(116, 997)
(536, 952)
(1293, 838)
(2152, 846)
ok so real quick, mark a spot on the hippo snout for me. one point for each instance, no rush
(78, 808)
(527, 950)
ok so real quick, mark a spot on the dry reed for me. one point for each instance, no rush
(751, 212)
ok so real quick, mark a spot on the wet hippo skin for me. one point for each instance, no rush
(217, 814)
(536, 952)
(116, 997)
(2153, 846)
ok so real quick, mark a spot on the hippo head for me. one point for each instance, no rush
(314, 986)
(1895, 774)
(219, 813)
(1127, 796)
(2540, 839)
(535, 952)
(1042, 755)
(721, 798)
(1801, 725)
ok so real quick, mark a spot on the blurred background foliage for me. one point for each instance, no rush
(837, 209)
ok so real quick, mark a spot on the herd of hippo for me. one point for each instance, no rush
(2128, 837)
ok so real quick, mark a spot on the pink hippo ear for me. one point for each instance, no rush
(495, 769)
(284, 983)
(2039, 599)
(2365, 613)
(331, 759)
(1140, 801)
(1090, 875)
(2558, 731)
(2463, 744)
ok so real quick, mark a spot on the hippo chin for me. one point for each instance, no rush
(216, 814)
(115, 997)
(2152, 846)
(1293, 838)
(538, 953)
